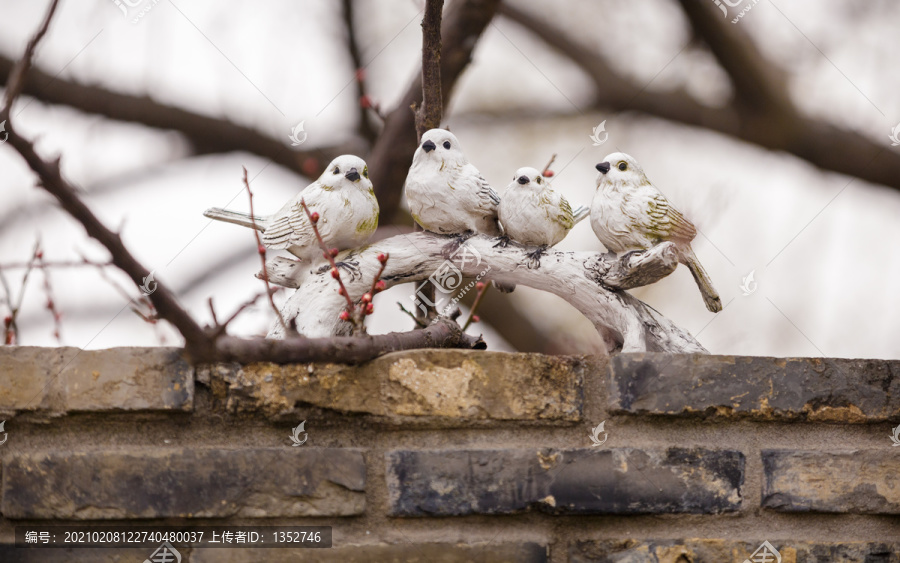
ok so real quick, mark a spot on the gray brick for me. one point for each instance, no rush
(61, 380)
(184, 483)
(815, 389)
(726, 550)
(400, 552)
(806, 481)
(616, 481)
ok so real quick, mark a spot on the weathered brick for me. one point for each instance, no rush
(466, 385)
(722, 551)
(616, 481)
(185, 483)
(859, 482)
(431, 552)
(815, 389)
(60, 380)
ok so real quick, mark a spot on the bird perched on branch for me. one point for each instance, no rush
(446, 193)
(342, 196)
(532, 213)
(628, 214)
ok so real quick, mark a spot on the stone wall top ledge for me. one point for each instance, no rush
(756, 387)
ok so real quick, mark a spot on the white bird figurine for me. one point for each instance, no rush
(628, 213)
(343, 197)
(447, 194)
(534, 214)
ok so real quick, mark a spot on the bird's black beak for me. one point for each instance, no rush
(428, 146)
(523, 180)
(352, 175)
(603, 167)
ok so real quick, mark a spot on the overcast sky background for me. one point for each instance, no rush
(822, 246)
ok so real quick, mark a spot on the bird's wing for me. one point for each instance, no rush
(290, 226)
(561, 210)
(668, 222)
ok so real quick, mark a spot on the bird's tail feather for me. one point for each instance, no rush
(710, 297)
(504, 287)
(236, 217)
(580, 213)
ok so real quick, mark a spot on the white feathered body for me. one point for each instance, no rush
(451, 197)
(535, 216)
(347, 218)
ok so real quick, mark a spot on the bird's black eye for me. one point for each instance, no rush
(623, 166)
(365, 172)
(538, 180)
(336, 170)
(446, 144)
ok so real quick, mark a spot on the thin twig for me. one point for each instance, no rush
(220, 328)
(51, 303)
(546, 171)
(365, 126)
(419, 322)
(473, 318)
(46, 265)
(261, 249)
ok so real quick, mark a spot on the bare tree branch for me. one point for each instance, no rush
(770, 123)
(366, 128)
(391, 156)
(207, 135)
(428, 116)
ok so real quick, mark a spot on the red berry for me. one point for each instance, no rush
(365, 102)
(261, 249)
(340, 291)
(39, 255)
(367, 298)
(475, 318)
(370, 308)
(314, 216)
(360, 74)
(310, 166)
(335, 274)
(345, 316)
(548, 173)
(380, 286)
(7, 320)
(50, 304)
(334, 252)
(382, 257)
(479, 286)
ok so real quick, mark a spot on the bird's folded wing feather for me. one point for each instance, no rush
(563, 211)
(668, 221)
(289, 227)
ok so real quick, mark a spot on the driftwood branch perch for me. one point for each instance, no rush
(593, 283)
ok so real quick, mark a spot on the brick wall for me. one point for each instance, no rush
(446, 456)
